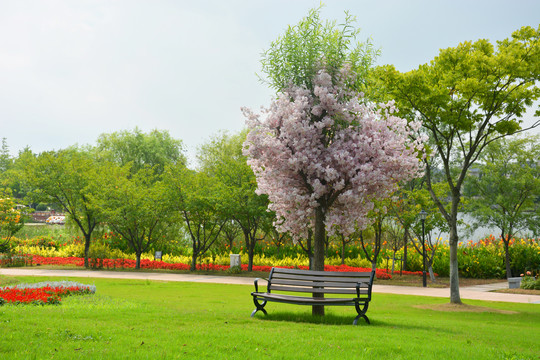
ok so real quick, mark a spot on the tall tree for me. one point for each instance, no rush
(65, 177)
(134, 205)
(223, 160)
(507, 187)
(197, 199)
(467, 97)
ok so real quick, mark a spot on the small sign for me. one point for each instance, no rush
(158, 255)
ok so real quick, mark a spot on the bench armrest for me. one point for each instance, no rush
(368, 283)
(256, 282)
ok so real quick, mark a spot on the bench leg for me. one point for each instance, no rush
(258, 306)
(361, 313)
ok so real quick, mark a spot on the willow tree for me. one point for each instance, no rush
(467, 97)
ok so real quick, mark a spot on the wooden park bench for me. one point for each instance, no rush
(282, 282)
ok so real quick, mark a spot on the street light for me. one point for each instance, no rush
(423, 216)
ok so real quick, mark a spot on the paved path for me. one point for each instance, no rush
(480, 292)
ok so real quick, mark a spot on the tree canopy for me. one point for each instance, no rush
(154, 149)
(296, 57)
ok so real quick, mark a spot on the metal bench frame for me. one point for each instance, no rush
(314, 285)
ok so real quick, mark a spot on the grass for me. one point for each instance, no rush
(141, 319)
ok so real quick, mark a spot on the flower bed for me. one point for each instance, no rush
(42, 293)
(152, 264)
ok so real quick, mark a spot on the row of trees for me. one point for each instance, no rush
(139, 186)
(217, 201)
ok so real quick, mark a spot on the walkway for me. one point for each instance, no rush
(480, 292)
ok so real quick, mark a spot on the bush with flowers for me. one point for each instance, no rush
(530, 281)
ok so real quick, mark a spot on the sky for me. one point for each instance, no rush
(72, 70)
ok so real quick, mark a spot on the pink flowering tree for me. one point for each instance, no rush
(324, 157)
(322, 152)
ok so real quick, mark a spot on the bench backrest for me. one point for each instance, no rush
(327, 282)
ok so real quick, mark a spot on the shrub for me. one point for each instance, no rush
(530, 283)
(358, 262)
(525, 254)
(234, 270)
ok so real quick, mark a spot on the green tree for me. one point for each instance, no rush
(13, 176)
(134, 205)
(222, 159)
(507, 186)
(404, 210)
(372, 245)
(5, 158)
(196, 198)
(154, 149)
(65, 178)
(466, 97)
(11, 219)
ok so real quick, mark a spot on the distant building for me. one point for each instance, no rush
(42, 216)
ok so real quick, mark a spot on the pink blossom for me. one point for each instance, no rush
(329, 148)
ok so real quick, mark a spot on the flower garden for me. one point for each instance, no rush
(481, 259)
(45, 293)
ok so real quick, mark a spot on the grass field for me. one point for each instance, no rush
(134, 319)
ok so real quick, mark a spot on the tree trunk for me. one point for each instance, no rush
(251, 253)
(250, 246)
(431, 274)
(86, 249)
(138, 263)
(507, 258)
(454, 270)
(318, 253)
(342, 251)
(405, 243)
(310, 249)
(193, 266)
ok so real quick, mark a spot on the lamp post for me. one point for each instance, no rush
(423, 216)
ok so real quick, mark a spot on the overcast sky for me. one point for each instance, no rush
(72, 70)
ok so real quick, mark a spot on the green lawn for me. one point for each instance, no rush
(131, 319)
